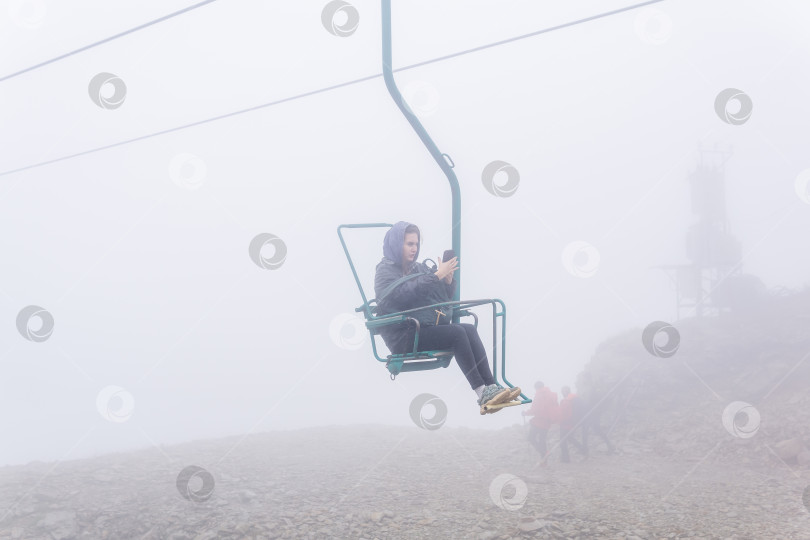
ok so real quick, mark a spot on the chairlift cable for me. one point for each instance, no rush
(302, 95)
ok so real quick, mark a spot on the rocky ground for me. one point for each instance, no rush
(756, 363)
(691, 463)
(401, 482)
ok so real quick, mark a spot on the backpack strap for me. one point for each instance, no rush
(395, 284)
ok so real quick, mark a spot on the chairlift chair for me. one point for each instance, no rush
(425, 360)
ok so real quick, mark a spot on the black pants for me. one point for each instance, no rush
(593, 425)
(566, 436)
(467, 347)
(538, 436)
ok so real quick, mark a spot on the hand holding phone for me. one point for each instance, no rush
(447, 264)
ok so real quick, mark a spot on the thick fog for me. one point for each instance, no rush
(160, 327)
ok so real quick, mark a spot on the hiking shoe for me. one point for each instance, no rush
(495, 394)
(489, 392)
(513, 392)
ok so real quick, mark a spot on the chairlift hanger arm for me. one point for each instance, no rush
(444, 161)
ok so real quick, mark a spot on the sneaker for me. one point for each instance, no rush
(489, 393)
(513, 392)
(489, 401)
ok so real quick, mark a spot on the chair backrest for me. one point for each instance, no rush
(368, 305)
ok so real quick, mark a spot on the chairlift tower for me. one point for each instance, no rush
(713, 251)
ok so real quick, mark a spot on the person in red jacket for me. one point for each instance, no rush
(570, 419)
(544, 414)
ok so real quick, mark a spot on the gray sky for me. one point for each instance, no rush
(147, 275)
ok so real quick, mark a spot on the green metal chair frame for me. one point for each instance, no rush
(424, 360)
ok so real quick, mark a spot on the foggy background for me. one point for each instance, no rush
(140, 251)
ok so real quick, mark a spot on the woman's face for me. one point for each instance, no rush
(409, 248)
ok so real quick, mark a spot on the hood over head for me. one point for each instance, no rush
(394, 240)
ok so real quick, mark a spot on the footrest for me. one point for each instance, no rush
(396, 366)
(489, 409)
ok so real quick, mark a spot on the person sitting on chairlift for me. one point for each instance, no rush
(436, 332)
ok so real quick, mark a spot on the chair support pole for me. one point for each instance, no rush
(443, 160)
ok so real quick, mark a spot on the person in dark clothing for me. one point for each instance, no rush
(571, 416)
(595, 405)
(592, 424)
(400, 250)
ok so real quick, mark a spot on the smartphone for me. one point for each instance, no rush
(448, 254)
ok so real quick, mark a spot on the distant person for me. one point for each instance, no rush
(597, 401)
(400, 252)
(544, 413)
(571, 415)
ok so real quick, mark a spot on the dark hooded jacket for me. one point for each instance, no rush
(416, 292)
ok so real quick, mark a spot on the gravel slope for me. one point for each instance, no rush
(400, 482)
